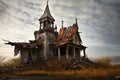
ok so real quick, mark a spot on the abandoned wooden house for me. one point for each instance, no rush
(49, 43)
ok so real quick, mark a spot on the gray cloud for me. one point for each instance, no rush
(3, 8)
(107, 26)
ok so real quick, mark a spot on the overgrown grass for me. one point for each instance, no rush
(56, 68)
(101, 72)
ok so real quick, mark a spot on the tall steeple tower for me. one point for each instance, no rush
(46, 20)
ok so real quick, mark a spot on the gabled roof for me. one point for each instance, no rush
(67, 34)
(47, 13)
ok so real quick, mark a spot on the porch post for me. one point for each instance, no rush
(67, 52)
(74, 52)
(84, 52)
(59, 56)
(80, 53)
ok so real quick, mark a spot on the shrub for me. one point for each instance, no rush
(12, 63)
(105, 61)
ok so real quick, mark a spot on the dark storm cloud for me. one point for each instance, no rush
(102, 20)
(108, 25)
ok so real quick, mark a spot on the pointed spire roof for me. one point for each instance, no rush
(47, 13)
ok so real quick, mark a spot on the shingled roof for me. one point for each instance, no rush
(67, 34)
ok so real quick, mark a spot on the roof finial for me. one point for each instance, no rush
(62, 23)
(76, 23)
(76, 20)
(47, 2)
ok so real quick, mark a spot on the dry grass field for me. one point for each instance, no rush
(58, 69)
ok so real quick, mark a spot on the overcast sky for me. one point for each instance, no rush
(98, 20)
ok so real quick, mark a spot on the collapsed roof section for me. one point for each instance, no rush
(25, 45)
(31, 44)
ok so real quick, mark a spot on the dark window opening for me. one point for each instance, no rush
(71, 51)
(63, 50)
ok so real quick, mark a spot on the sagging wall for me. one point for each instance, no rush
(76, 39)
(46, 38)
(34, 56)
(50, 38)
(28, 56)
(41, 53)
(24, 55)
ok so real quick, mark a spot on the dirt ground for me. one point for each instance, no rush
(45, 77)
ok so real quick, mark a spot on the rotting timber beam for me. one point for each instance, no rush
(12, 43)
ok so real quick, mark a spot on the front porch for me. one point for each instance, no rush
(69, 51)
